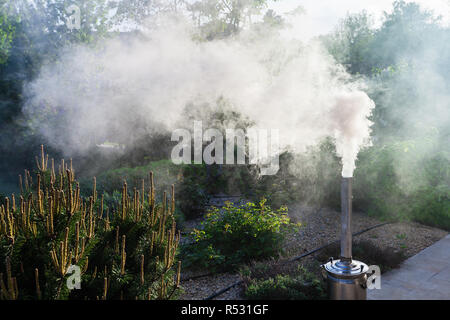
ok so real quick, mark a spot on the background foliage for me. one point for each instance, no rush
(403, 61)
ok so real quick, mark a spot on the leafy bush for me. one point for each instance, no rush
(430, 203)
(405, 180)
(375, 185)
(236, 234)
(431, 206)
(128, 253)
(302, 285)
(193, 191)
(311, 177)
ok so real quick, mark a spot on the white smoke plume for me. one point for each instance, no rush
(278, 82)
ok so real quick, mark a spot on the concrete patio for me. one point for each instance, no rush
(424, 276)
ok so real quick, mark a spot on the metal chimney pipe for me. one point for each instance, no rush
(346, 278)
(346, 220)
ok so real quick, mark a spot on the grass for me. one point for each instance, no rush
(401, 236)
(278, 280)
(165, 174)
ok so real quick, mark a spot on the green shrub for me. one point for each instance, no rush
(430, 203)
(375, 184)
(302, 285)
(406, 180)
(431, 206)
(193, 191)
(127, 253)
(237, 234)
(311, 177)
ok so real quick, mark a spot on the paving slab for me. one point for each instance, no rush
(425, 276)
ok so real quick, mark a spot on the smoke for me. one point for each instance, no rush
(418, 100)
(352, 127)
(98, 94)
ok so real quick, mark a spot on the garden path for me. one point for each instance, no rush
(425, 276)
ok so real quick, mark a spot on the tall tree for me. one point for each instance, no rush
(7, 30)
(404, 33)
(222, 18)
(32, 32)
(350, 43)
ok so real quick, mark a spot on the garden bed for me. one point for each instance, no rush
(321, 226)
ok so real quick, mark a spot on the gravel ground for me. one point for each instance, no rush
(320, 226)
